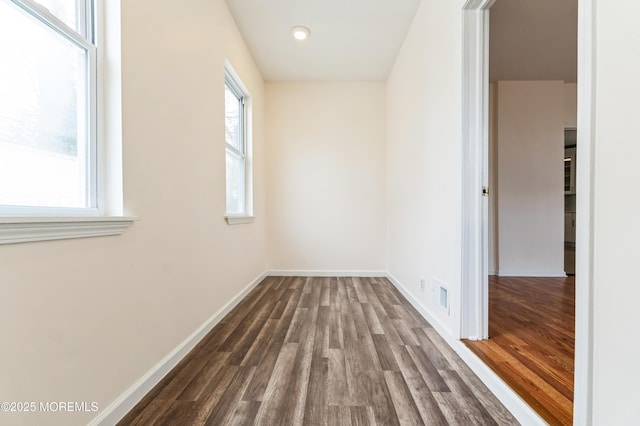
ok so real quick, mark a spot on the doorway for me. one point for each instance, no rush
(473, 317)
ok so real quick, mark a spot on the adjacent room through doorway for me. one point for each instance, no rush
(532, 203)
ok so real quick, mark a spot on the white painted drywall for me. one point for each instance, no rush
(569, 115)
(326, 174)
(82, 320)
(616, 227)
(424, 163)
(530, 129)
(493, 258)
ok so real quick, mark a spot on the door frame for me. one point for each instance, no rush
(473, 318)
(474, 310)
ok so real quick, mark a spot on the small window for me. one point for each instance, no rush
(47, 107)
(237, 150)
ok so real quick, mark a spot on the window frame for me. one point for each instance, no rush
(84, 38)
(235, 85)
(104, 214)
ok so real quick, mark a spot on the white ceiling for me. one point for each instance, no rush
(350, 39)
(534, 40)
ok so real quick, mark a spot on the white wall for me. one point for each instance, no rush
(530, 150)
(326, 174)
(424, 150)
(570, 121)
(616, 228)
(82, 320)
(493, 257)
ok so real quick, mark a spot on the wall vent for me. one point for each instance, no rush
(444, 297)
(441, 295)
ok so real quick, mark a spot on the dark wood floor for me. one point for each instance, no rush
(532, 341)
(316, 351)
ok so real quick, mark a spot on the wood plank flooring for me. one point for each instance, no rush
(532, 341)
(321, 351)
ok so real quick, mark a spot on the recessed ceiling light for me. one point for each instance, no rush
(300, 33)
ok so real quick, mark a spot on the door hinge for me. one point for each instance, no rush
(485, 191)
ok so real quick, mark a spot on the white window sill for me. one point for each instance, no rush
(26, 229)
(238, 220)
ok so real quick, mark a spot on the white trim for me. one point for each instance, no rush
(511, 400)
(35, 9)
(542, 274)
(586, 161)
(324, 273)
(478, 4)
(91, 129)
(125, 402)
(470, 316)
(434, 321)
(27, 229)
(238, 220)
(229, 70)
(109, 114)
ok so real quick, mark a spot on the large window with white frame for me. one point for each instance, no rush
(48, 102)
(237, 156)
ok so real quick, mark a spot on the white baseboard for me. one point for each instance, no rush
(434, 321)
(125, 402)
(511, 400)
(324, 273)
(537, 274)
(493, 272)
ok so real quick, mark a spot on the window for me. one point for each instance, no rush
(237, 149)
(48, 107)
(49, 154)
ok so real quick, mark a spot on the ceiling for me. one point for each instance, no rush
(360, 39)
(350, 39)
(534, 40)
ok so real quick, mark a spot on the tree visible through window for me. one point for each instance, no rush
(47, 104)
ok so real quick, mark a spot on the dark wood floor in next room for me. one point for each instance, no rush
(321, 351)
(532, 341)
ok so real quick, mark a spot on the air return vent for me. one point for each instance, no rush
(441, 295)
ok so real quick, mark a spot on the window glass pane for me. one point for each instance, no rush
(43, 120)
(65, 10)
(232, 122)
(235, 183)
